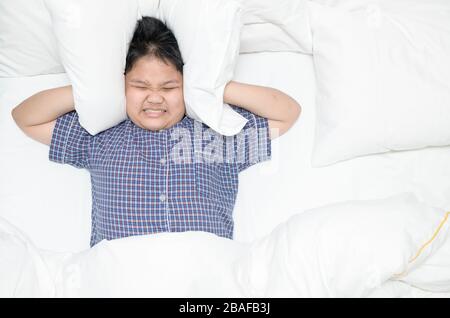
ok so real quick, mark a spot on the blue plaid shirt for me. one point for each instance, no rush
(184, 178)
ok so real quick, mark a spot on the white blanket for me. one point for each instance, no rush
(348, 249)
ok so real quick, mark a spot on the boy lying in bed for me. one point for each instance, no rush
(159, 170)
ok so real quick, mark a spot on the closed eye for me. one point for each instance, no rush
(164, 88)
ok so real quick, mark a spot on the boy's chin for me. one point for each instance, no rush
(154, 125)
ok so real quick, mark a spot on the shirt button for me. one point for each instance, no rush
(163, 161)
(162, 197)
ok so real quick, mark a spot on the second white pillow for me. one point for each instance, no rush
(382, 79)
(208, 33)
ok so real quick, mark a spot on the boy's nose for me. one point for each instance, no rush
(154, 98)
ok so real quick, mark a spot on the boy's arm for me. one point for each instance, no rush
(280, 109)
(36, 116)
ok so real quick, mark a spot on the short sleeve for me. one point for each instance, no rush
(252, 144)
(71, 144)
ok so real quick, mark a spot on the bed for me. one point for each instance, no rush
(374, 225)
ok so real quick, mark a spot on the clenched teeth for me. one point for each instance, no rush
(154, 110)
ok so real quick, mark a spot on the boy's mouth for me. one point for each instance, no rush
(153, 112)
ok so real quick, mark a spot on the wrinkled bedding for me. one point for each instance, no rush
(387, 247)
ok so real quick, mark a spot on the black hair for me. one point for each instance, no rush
(152, 37)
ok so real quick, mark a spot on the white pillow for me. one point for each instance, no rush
(275, 26)
(92, 39)
(345, 249)
(27, 45)
(382, 79)
(208, 34)
(148, 7)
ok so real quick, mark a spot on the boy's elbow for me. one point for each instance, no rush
(14, 114)
(296, 110)
(294, 114)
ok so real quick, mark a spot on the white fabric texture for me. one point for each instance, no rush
(275, 26)
(27, 44)
(399, 289)
(383, 77)
(434, 274)
(184, 264)
(354, 5)
(346, 249)
(23, 271)
(148, 7)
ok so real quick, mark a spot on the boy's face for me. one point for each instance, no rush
(154, 94)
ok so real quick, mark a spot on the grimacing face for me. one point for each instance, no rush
(154, 94)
